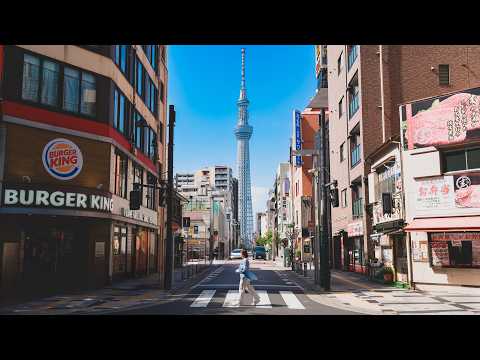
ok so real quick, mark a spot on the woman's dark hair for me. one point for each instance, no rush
(245, 253)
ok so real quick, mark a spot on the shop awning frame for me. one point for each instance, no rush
(444, 224)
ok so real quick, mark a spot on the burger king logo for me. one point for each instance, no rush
(62, 159)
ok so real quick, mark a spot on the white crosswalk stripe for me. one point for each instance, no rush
(264, 299)
(291, 300)
(203, 299)
(232, 299)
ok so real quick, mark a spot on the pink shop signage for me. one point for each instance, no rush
(355, 229)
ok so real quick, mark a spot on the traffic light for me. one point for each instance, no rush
(135, 199)
(186, 222)
(334, 197)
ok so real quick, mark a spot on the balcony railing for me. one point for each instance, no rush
(357, 209)
(356, 155)
(352, 55)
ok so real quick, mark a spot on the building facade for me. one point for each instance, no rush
(366, 84)
(94, 120)
(216, 184)
(305, 127)
(441, 168)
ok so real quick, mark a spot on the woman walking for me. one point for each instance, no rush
(246, 276)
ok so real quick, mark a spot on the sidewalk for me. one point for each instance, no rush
(355, 292)
(121, 295)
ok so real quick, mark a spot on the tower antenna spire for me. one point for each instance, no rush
(243, 94)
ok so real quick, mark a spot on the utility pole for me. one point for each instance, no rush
(322, 214)
(169, 240)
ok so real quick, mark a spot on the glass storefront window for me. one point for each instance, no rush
(460, 250)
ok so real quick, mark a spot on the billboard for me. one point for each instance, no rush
(449, 192)
(298, 135)
(445, 120)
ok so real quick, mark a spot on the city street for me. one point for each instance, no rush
(217, 294)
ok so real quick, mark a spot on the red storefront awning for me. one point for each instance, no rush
(447, 224)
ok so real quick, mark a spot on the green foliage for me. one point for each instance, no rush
(265, 240)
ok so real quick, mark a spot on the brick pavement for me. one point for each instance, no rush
(354, 292)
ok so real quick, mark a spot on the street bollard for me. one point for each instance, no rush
(304, 269)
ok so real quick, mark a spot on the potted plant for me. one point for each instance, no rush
(388, 274)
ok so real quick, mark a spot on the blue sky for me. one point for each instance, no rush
(204, 84)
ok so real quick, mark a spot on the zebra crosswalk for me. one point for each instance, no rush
(232, 299)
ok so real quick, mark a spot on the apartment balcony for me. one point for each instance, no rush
(357, 208)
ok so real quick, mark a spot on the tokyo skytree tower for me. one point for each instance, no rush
(243, 132)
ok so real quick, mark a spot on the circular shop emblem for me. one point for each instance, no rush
(463, 182)
(62, 159)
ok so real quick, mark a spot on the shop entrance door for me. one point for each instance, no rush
(10, 265)
(53, 259)
(141, 252)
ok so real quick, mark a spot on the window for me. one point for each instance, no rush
(339, 63)
(151, 180)
(120, 175)
(343, 198)
(353, 96)
(352, 55)
(162, 91)
(357, 201)
(40, 77)
(49, 86)
(79, 92)
(153, 145)
(120, 57)
(88, 94)
(460, 250)
(148, 93)
(31, 77)
(322, 82)
(465, 159)
(146, 140)
(120, 249)
(444, 74)
(138, 178)
(71, 84)
(139, 79)
(151, 51)
(139, 123)
(355, 149)
(342, 152)
(120, 112)
(340, 108)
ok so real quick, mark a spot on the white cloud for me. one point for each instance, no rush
(259, 199)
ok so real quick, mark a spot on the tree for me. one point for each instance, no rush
(265, 240)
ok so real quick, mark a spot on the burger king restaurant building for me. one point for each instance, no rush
(65, 234)
(65, 179)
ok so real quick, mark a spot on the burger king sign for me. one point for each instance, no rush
(62, 159)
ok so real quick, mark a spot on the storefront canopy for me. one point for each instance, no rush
(463, 223)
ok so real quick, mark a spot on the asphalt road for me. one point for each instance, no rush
(217, 294)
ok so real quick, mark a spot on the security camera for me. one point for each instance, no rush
(26, 179)
(432, 68)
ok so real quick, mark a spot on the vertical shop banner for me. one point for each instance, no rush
(435, 194)
(467, 190)
(450, 119)
(298, 136)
